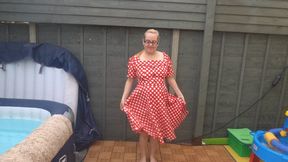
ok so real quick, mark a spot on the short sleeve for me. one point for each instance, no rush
(170, 71)
(131, 68)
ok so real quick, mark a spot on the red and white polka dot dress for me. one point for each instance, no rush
(151, 108)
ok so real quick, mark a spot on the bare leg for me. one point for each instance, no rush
(143, 140)
(154, 146)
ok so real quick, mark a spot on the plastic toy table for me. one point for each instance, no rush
(262, 150)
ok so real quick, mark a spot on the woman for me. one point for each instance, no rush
(153, 113)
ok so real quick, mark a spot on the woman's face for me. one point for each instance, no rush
(150, 43)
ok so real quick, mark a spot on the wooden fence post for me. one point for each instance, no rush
(205, 64)
(32, 33)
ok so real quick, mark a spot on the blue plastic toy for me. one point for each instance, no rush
(272, 145)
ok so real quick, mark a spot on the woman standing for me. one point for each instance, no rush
(152, 111)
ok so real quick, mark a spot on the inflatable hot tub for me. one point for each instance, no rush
(42, 85)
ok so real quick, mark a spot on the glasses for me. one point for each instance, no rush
(153, 43)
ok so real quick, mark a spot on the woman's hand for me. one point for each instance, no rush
(122, 104)
(175, 87)
(127, 88)
(182, 97)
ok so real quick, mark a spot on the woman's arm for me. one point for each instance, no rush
(173, 84)
(127, 89)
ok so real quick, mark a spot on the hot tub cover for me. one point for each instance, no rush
(54, 56)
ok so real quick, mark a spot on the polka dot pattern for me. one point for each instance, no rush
(151, 108)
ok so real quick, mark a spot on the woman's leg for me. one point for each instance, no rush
(143, 140)
(154, 147)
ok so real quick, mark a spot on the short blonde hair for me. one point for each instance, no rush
(152, 31)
